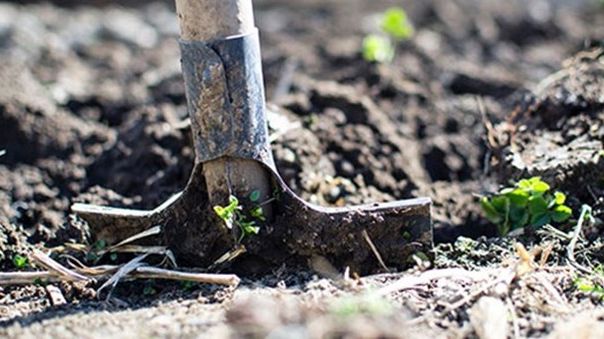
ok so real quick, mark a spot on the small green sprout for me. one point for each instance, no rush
(377, 48)
(229, 212)
(590, 284)
(396, 24)
(258, 213)
(528, 203)
(20, 261)
(232, 214)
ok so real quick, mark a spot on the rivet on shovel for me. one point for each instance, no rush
(225, 96)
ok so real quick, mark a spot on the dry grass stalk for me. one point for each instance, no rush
(54, 267)
(375, 250)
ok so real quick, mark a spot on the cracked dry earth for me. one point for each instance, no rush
(92, 109)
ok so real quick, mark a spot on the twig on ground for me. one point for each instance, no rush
(375, 250)
(65, 273)
(144, 234)
(148, 272)
(121, 273)
(27, 278)
(570, 249)
(137, 249)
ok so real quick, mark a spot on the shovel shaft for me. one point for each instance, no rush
(203, 20)
(210, 20)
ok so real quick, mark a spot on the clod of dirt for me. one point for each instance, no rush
(558, 132)
(32, 127)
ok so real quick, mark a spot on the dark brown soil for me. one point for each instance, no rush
(92, 109)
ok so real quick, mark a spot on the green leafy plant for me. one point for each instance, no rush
(528, 203)
(232, 214)
(395, 26)
(20, 261)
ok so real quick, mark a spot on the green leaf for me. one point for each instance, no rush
(538, 186)
(100, 244)
(561, 213)
(20, 261)
(255, 196)
(489, 211)
(249, 228)
(524, 184)
(501, 204)
(584, 285)
(518, 197)
(559, 198)
(257, 213)
(220, 212)
(539, 220)
(396, 24)
(537, 205)
(377, 49)
(519, 215)
(227, 213)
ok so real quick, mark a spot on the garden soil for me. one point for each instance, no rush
(92, 109)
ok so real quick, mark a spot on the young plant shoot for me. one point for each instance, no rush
(232, 214)
(528, 203)
(394, 27)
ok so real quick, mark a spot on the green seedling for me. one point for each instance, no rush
(396, 24)
(377, 48)
(258, 213)
(229, 212)
(20, 262)
(590, 284)
(232, 214)
(528, 203)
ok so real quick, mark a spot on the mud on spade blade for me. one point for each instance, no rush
(225, 99)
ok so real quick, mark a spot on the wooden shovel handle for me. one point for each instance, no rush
(203, 20)
(206, 20)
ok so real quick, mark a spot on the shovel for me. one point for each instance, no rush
(235, 174)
